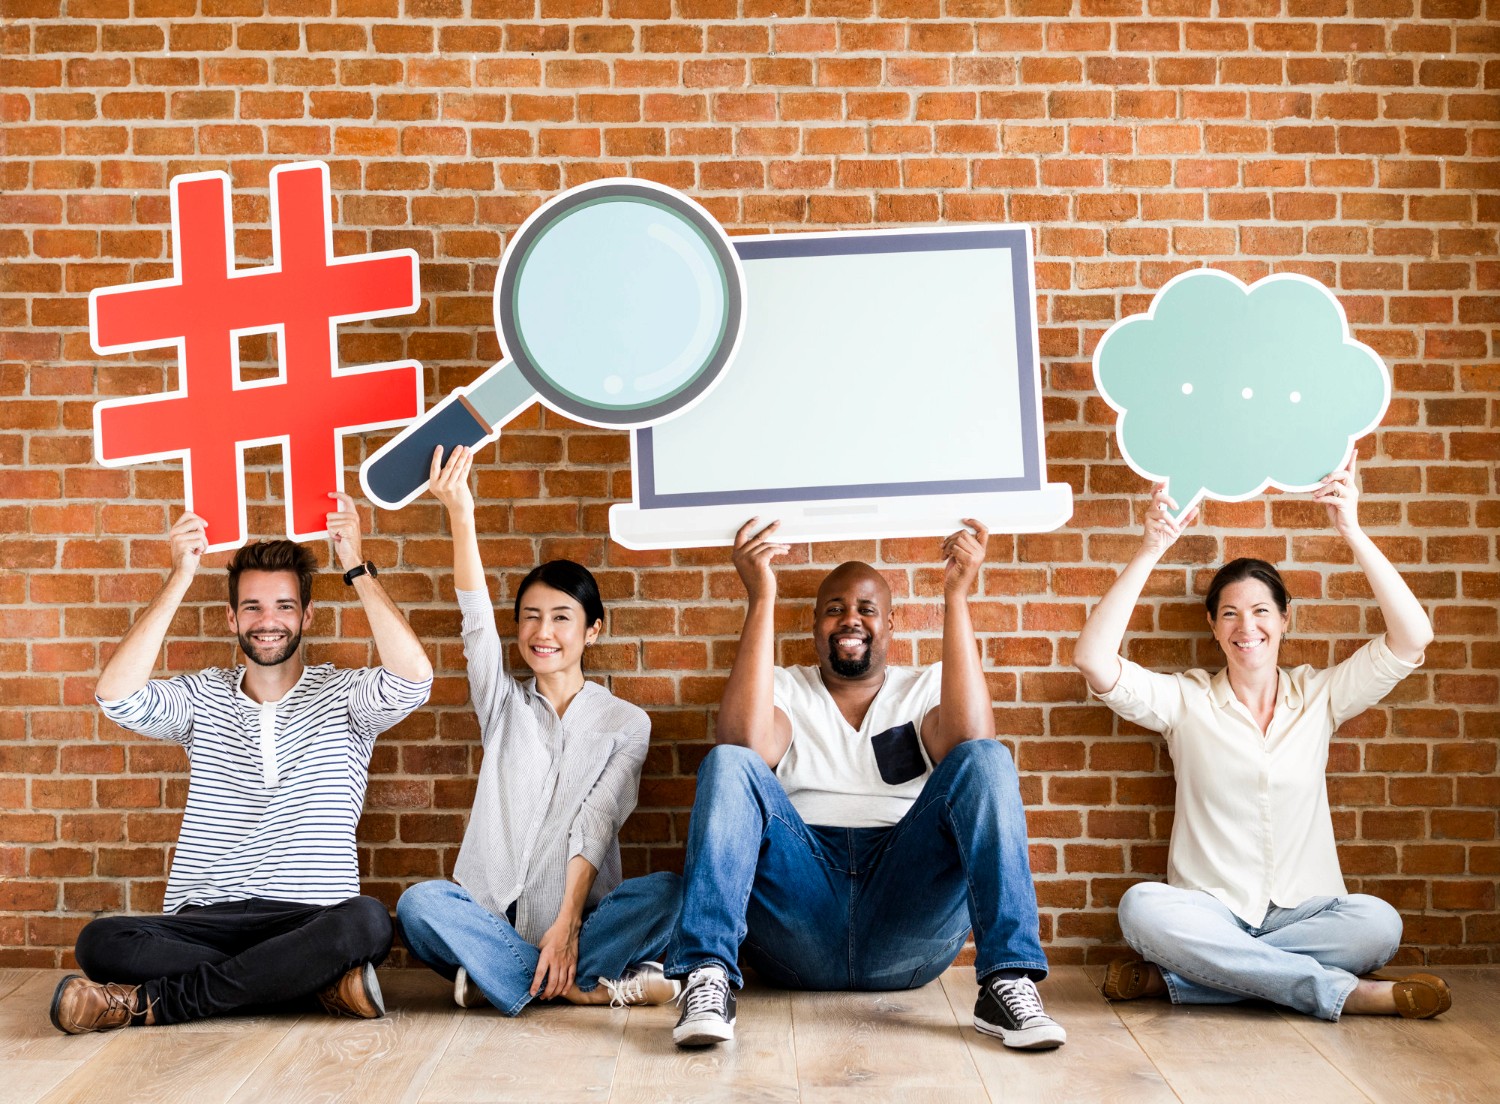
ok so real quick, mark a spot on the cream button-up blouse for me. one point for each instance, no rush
(1252, 825)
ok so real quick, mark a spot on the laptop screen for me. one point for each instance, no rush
(872, 365)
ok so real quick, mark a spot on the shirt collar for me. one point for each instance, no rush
(1288, 696)
(529, 687)
(247, 701)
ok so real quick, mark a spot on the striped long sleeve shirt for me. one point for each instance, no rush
(549, 788)
(274, 788)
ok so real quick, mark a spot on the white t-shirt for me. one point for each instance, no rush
(838, 776)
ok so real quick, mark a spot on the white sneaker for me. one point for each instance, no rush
(643, 983)
(708, 1006)
(465, 993)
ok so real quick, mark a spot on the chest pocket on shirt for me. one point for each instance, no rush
(898, 754)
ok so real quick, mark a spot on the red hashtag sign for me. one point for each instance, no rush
(206, 306)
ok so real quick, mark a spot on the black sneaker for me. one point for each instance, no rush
(1012, 1012)
(708, 1005)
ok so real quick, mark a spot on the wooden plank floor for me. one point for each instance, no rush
(908, 1047)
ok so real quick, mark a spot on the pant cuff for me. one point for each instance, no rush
(1034, 966)
(1338, 1005)
(673, 970)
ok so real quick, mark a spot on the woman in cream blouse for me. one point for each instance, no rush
(1255, 905)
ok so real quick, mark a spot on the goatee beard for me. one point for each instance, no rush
(848, 668)
(281, 655)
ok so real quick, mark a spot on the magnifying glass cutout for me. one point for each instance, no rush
(619, 302)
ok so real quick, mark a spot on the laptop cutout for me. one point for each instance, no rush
(887, 385)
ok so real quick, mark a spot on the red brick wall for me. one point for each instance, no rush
(1353, 140)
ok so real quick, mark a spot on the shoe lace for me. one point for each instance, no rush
(625, 991)
(1020, 998)
(706, 992)
(122, 998)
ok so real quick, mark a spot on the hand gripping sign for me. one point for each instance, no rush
(214, 416)
(619, 304)
(1224, 390)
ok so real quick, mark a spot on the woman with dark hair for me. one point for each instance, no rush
(538, 907)
(1254, 905)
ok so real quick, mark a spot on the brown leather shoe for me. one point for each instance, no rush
(1129, 978)
(1418, 996)
(80, 1005)
(356, 994)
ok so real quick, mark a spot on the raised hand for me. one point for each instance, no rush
(343, 530)
(449, 482)
(1340, 494)
(1161, 529)
(189, 541)
(753, 553)
(963, 555)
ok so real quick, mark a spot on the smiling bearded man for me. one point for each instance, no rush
(856, 820)
(262, 904)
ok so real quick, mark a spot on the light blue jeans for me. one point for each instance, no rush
(446, 928)
(1307, 958)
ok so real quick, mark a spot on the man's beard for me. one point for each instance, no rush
(849, 668)
(281, 655)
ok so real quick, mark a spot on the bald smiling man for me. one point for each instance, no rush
(856, 820)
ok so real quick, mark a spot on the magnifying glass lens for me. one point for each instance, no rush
(620, 303)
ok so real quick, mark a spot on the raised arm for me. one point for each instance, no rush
(449, 484)
(489, 685)
(748, 715)
(400, 651)
(130, 667)
(1097, 653)
(964, 709)
(1407, 629)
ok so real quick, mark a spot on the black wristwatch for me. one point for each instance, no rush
(366, 568)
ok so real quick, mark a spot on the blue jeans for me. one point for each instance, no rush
(858, 908)
(1308, 957)
(445, 928)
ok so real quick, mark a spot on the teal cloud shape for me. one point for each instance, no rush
(1225, 389)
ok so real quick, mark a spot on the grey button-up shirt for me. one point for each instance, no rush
(549, 787)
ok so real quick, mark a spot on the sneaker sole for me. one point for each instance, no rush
(57, 1000)
(704, 1034)
(1031, 1038)
(461, 985)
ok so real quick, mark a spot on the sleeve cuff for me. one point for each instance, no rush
(589, 847)
(1388, 662)
(475, 603)
(1119, 692)
(404, 688)
(120, 706)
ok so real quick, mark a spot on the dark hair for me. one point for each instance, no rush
(276, 555)
(574, 580)
(1245, 567)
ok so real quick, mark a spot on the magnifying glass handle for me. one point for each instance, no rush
(398, 471)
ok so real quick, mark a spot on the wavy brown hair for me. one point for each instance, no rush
(275, 555)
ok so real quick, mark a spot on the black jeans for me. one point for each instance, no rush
(206, 960)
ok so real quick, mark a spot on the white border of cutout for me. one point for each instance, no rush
(237, 384)
(1246, 289)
